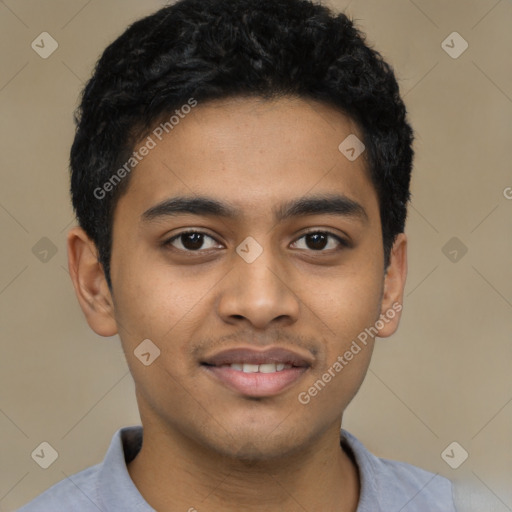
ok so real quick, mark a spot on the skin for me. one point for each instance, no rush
(207, 446)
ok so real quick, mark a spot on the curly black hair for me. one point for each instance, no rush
(215, 49)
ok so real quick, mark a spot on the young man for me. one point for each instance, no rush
(240, 174)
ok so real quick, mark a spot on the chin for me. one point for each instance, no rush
(251, 445)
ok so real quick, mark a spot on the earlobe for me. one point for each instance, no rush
(394, 284)
(90, 284)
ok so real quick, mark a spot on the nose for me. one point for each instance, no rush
(259, 292)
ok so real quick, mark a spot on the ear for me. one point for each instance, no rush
(91, 287)
(393, 290)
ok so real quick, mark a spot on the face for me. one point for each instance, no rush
(251, 300)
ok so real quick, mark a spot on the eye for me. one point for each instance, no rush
(189, 241)
(194, 241)
(319, 240)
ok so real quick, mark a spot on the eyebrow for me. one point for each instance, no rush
(207, 206)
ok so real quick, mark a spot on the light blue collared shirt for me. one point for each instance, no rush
(386, 485)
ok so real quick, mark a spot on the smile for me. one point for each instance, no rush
(257, 373)
(259, 368)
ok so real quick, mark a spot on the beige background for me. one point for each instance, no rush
(445, 376)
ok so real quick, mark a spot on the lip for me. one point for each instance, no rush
(254, 356)
(257, 384)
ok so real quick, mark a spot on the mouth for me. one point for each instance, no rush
(257, 373)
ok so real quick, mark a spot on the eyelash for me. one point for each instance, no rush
(343, 243)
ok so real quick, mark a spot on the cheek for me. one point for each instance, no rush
(351, 302)
(350, 308)
(347, 353)
(151, 295)
(169, 308)
(334, 388)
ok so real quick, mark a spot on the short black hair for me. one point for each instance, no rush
(216, 49)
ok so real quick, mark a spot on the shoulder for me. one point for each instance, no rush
(413, 488)
(77, 492)
(105, 486)
(398, 485)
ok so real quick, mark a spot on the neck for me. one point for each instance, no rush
(174, 473)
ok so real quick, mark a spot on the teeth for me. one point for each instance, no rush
(250, 368)
(260, 368)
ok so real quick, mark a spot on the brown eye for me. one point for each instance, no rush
(319, 240)
(189, 241)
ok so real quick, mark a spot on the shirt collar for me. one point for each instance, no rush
(115, 486)
(363, 459)
(118, 492)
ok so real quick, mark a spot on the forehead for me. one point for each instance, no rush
(253, 153)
